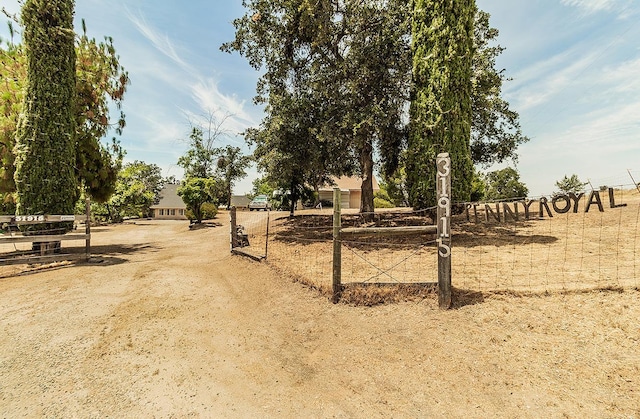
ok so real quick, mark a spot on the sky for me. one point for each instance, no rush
(573, 69)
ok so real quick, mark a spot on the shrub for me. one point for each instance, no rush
(209, 211)
(379, 202)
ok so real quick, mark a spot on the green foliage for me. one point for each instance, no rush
(572, 184)
(263, 186)
(195, 192)
(381, 199)
(46, 133)
(136, 190)
(395, 187)
(198, 161)
(478, 187)
(335, 77)
(99, 88)
(7, 204)
(209, 211)
(440, 112)
(232, 166)
(495, 130)
(13, 76)
(504, 185)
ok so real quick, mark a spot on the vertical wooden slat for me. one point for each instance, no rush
(443, 182)
(266, 242)
(87, 224)
(337, 246)
(234, 228)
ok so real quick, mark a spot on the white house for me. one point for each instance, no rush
(350, 191)
(170, 206)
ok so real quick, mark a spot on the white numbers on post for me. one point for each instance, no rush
(444, 205)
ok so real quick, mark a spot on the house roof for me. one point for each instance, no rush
(349, 183)
(169, 198)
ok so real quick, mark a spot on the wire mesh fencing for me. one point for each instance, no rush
(594, 244)
(302, 247)
(250, 232)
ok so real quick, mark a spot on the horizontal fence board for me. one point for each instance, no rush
(43, 259)
(36, 219)
(43, 238)
(388, 231)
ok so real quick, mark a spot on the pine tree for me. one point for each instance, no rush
(440, 111)
(45, 139)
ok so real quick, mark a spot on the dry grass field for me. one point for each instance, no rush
(564, 253)
(165, 322)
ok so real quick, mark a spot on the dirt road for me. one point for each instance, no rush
(169, 324)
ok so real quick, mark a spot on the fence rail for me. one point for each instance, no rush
(46, 244)
(536, 245)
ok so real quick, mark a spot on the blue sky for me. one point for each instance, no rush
(574, 65)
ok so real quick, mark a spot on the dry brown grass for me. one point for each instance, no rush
(565, 253)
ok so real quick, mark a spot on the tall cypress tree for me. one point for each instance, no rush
(45, 138)
(440, 111)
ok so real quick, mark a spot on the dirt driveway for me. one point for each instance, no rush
(169, 324)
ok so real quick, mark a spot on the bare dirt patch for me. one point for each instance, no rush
(166, 323)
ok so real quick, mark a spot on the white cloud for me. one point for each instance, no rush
(625, 77)
(160, 41)
(608, 128)
(539, 83)
(210, 99)
(623, 8)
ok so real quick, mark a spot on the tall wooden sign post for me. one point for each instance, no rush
(337, 246)
(443, 162)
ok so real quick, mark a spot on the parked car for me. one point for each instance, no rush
(260, 202)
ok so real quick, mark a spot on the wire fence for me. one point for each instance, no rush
(595, 247)
(592, 244)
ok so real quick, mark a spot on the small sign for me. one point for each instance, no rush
(67, 218)
(29, 218)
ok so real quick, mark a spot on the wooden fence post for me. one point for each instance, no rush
(87, 225)
(266, 242)
(443, 181)
(234, 228)
(337, 246)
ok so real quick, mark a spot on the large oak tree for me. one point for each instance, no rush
(346, 61)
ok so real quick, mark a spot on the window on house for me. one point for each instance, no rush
(173, 212)
(161, 212)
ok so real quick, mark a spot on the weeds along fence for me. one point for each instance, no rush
(44, 243)
(536, 245)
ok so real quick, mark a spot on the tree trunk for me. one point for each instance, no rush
(294, 199)
(366, 165)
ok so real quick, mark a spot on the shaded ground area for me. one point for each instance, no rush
(180, 328)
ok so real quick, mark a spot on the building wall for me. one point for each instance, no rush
(169, 213)
(345, 198)
(354, 199)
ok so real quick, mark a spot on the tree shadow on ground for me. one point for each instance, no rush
(514, 234)
(310, 229)
(462, 298)
(373, 294)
